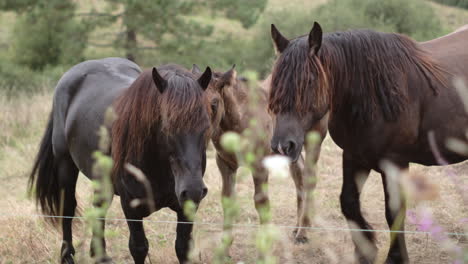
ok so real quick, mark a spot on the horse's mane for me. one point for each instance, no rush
(144, 112)
(367, 71)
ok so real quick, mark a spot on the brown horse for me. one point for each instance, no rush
(385, 93)
(162, 127)
(231, 102)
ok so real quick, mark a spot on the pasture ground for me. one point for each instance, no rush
(25, 238)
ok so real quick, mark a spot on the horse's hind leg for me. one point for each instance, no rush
(395, 215)
(67, 175)
(354, 177)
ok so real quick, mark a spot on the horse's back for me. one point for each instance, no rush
(81, 98)
(451, 51)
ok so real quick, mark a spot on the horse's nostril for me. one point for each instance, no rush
(274, 147)
(204, 192)
(183, 195)
(289, 147)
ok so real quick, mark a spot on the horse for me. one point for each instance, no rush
(388, 97)
(231, 99)
(162, 128)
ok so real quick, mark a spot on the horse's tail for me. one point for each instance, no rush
(43, 181)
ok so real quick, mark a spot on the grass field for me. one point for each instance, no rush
(25, 238)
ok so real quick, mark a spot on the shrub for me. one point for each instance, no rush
(49, 35)
(414, 18)
(16, 79)
(456, 3)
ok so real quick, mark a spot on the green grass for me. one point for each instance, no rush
(451, 17)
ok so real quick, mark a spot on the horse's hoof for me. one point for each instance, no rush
(68, 259)
(104, 260)
(301, 239)
(396, 261)
(363, 260)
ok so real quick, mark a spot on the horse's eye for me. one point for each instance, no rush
(214, 106)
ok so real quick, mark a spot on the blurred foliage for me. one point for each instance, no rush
(245, 11)
(16, 79)
(456, 3)
(46, 33)
(16, 5)
(205, 32)
(414, 18)
(167, 26)
(163, 22)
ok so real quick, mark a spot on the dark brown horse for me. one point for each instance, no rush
(232, 103)
(162, 127)
(386, 94)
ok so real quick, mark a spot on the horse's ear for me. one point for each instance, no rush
(205, 79)
(279, 41)
(196, 70)
(229, 77)
(161, 84)
(315, 38)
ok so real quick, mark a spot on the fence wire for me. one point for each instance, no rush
(241, 225)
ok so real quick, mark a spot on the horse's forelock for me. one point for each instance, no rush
(299, 81)
(184, 106)
(143, 112)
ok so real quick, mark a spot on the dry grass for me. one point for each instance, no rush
(27, 239)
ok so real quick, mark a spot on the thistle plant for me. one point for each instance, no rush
(102, 186)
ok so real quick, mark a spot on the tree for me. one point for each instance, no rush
(456, 3)
(171, 26)
(46, 32)
(415, 18)
(150, 22)
(246, 11)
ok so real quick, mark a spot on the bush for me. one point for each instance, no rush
(16, 79)
(414, 18)
(49, 35)
(456, 3)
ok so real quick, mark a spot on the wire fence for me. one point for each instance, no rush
(242, 225)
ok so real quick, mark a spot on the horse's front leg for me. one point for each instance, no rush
(184, 236)
(228, 174)
(138, 243)
(304, 199)
(395, 212)
(98, 241)
(262, 202)
(354, 177)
